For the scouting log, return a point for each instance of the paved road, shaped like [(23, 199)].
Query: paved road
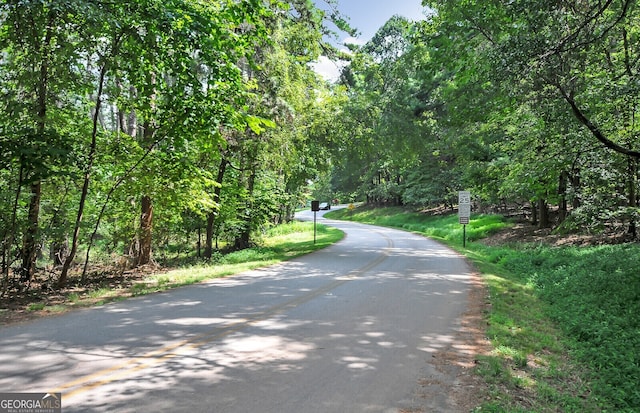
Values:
[(351, 328)]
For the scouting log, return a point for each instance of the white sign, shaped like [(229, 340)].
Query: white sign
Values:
[(464, 207), (464, 197)]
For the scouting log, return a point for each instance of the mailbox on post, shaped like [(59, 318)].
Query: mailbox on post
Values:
[(315, 207)]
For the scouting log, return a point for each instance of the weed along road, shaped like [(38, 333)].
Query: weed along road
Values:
[(352, 328)]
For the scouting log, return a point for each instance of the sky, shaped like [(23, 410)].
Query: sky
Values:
[(367, 16)]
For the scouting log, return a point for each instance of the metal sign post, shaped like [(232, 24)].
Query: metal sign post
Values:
[(464, 213)]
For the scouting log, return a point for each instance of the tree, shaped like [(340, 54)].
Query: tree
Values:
[(84, 74), (266, 164), (39, 42), (576, 55), (391, 149)]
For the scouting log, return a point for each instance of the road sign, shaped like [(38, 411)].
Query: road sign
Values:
[(315, 207), (464, 213), (464, 197)]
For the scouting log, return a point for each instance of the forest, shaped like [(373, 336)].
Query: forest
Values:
[(133, 130), (530, 105)]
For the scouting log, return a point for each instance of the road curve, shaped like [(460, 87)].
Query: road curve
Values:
[(351, 328)]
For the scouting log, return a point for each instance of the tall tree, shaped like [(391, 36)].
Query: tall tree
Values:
[(38, 40), (577, 55)]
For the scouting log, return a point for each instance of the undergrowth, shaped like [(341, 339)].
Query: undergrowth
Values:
[(594, 296), (278, 244)]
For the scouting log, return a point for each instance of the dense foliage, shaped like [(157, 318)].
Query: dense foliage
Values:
[(528, 104), (127, 126), (593, 294)]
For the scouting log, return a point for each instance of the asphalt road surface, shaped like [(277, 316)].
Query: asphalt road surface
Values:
[(351, 328)]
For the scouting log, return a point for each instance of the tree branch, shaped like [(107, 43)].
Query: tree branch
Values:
[(595, 131), (562, 45)]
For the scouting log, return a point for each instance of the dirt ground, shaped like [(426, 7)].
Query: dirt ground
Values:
[(22, 304), (468, 390), (524, 232)]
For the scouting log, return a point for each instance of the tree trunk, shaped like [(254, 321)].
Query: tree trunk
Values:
[(208, 243), (211, 217), (562, 191), (543, 209), (243, 240), (8, 240), (146, 216), (534, 214), (62, 281), (633, 194), (575, 184), (146, 223), (59, 252), (30, 244), (59, 248), (199, 241)]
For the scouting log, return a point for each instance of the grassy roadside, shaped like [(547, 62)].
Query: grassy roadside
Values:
[(563, 321), (279, 244)]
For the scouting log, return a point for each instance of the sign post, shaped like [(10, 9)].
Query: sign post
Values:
[(464, 213), (315, 207)]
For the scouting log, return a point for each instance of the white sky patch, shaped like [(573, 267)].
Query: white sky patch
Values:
[(354, 40), (328, 69)]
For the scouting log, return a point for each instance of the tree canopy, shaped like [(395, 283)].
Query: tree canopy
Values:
[(127, 126), (527, 104), (134, 129)]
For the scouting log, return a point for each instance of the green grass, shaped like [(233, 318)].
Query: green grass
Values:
[(564, 322), (279, 244), (36, 306), (57, 308), (444, 227)]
